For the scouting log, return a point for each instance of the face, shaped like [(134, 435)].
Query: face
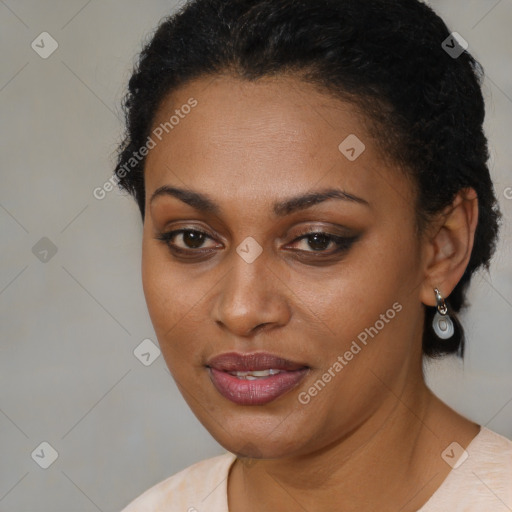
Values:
[(268, 246)]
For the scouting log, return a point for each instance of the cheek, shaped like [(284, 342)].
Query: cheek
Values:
[(164, 294), (157, 287), (380, 272), (174, 300), (370, 310)]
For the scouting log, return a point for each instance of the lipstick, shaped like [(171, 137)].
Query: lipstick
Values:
[(254, 378)]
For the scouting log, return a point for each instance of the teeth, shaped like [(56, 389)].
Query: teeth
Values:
[(255, 374)]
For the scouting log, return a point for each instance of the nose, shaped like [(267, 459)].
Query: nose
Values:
[(252, 297)]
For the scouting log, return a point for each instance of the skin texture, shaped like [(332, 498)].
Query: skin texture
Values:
[(372, 438)]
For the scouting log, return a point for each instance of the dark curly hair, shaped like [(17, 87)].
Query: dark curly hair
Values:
[(385, 56)]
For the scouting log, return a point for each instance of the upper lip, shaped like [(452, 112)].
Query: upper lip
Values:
[(234, 361)]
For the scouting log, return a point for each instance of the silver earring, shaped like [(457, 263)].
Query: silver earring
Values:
[(442, 324)]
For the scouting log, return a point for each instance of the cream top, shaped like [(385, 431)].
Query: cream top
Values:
[(480, 481)]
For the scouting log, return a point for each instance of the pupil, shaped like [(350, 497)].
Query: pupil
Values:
[(318, 241), (193, 239)]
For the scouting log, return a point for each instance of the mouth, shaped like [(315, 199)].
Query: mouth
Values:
[(256, 378)]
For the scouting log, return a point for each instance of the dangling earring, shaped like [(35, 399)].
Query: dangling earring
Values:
[(442, 324)]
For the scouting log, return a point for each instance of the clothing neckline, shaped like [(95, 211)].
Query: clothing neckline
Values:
[(470, 449)]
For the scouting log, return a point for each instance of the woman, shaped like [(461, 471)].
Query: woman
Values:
[(313, 184)]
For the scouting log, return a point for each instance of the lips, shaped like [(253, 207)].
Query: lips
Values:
[(254, 379), (235, 362)]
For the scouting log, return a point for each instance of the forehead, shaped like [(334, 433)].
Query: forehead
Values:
[(268, 138)]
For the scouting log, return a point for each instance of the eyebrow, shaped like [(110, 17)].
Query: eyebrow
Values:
[(204, 203)]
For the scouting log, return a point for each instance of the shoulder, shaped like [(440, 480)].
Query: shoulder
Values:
[(481, 478), (202, 486), (491, 459), (490, 442)]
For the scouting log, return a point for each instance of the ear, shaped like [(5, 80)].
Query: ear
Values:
[(448, 245)]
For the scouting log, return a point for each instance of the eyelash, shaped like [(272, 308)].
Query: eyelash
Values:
[(343, 243)]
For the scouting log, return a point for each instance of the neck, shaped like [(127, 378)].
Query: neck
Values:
[(386, 460)]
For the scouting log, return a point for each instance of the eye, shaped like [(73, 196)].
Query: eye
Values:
[(320, 241), (314, 243), (191, 241)]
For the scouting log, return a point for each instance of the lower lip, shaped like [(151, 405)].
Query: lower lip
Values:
[(255, 392)]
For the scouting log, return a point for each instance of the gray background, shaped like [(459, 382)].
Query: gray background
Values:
[(70, 324)]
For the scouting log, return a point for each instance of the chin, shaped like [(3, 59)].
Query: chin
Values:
[(258, 434)]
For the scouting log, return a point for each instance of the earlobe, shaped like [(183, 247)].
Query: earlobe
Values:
[(450, 247)]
